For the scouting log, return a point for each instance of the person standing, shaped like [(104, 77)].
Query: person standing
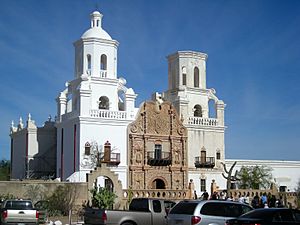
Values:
[(205, 195), (264, 200)]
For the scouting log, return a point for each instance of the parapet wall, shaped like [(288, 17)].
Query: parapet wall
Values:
[(37, 189)]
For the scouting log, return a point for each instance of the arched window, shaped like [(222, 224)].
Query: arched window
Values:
[(183, 75), (203, 185), (158, 184), (196, 77), (218, 155), (203, 155), (103, 62), (157, 151), (89, 62), (87, 148), (103, 102), (198, 111)]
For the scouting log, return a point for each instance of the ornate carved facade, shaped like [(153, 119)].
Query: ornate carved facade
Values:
[(157, 148)]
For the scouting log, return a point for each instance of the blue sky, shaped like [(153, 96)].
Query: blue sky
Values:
[(253, 52)]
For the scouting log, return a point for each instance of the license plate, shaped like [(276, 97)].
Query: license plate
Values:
[(178, 222)]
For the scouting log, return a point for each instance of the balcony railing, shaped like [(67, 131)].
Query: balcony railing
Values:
[(204, 162), (103, 73), (98, 113), (163, 159), (110, 159), (156, 193), (202, 121)]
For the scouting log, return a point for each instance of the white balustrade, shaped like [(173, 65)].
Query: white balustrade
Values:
[(97, 113), (103, 73), (202, 121)]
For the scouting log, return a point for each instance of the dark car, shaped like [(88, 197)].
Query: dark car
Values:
[(268, 216)]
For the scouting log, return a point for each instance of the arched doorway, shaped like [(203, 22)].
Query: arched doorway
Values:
[(103, 173), (158, 184), (104, 182)]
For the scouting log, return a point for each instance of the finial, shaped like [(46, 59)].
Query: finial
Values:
[(21, 125), (49, 118), (97, 7), (29, 117), (12, 123)]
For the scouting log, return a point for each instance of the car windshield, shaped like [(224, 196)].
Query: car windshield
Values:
[(187, 208)]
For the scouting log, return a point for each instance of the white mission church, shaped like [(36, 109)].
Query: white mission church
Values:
[(173, 138)]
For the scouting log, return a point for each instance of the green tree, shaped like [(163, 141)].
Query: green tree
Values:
[(4, 169), (255, 177), (103, 198), (62, 200)]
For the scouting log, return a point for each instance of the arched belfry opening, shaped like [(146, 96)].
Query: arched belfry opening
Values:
[(196, 77), (184, 76), (103, 62), (89, 62), (198, 111), (158, 184), (103, 102)]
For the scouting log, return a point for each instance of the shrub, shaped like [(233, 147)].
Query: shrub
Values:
[(103, 198), (62, 200)]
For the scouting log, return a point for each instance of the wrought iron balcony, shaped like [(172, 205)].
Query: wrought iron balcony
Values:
[(204, 162), (162, 159), (111, 159)]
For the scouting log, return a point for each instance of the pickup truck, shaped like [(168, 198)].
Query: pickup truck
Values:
[(142, 211), (18, 212)]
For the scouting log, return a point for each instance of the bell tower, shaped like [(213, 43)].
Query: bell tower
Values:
[(95, 108), (201, 111), (187, 79), (96, 51)]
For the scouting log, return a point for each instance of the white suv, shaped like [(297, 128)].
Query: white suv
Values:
[(206, 212)]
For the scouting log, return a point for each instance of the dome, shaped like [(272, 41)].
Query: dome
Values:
[(96, 32), (95, 13)]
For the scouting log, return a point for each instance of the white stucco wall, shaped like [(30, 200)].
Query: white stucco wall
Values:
[(285, 173), (18, 155)]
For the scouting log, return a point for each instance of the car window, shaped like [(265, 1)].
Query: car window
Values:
[(233, 210), (187, 208), (213, 209), (156, 206), (296, 214), (276, 217), (246, 209), (286, 215), (139, 205), (18, 205), (168, 205)]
